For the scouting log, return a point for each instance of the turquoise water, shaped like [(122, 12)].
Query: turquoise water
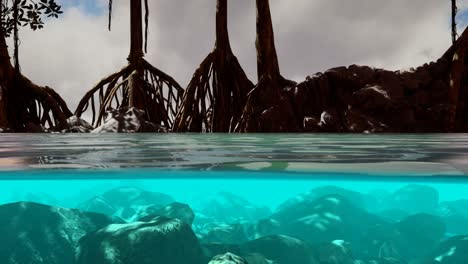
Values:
[(331, 199)]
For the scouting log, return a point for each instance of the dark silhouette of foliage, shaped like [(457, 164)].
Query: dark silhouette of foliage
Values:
[(30, 13), (214, 98), (139, 84)]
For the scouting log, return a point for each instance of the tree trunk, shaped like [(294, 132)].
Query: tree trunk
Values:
[(5, 74), (267, 59), (222, 93), (217, 92), (136, 32), (222, 35), (454, 21), (268, 108)]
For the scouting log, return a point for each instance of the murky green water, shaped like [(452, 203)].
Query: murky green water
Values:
[(280, 198)]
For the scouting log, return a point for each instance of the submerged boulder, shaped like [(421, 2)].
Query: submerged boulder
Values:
[(41, 234), (227, 258), (256, 258), (325, 219), (263, 227), (281, 249), (215, 249), (419, 235), (452, 251), (415, 199), (226, 207), (455, 215), (354, 197), (336, 252), (180, 211), (162, 240), (126, 202), (225, 234)]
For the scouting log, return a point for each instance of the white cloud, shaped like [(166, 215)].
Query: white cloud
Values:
[(74, 52)]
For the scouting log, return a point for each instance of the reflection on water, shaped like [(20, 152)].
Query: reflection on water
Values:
[(438, 154)]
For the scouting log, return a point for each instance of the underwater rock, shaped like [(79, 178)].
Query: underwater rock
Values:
[(415, 199), (325, 219), (390, 261), (354, 197), (127, 120), (126, 202), (264, 227), (41, 234), (78, 125), (36, 197), (256, 258), (214, 249), (336, 252), (376, 200), (227, 258), (452, 251), (378, 242), (392, 215), (181, 211), (455, 216), (225, 234), (162, 240), (281, 249), (228, 208), (419, 235)]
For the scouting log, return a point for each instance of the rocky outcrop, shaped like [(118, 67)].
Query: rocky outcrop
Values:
[(281, 249), (452, 251), (127, 203), (415, 199), (127, 120), (419, 234), (224, 234), (41, 234), (325, 219), (455, 215), (336, 252), (162, 240), (181, 211), (229, 208), (354, 197), (364, 99), (227, 258), (78, 125)]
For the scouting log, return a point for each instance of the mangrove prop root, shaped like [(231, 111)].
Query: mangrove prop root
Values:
[(215, 96), (137, 85), (33, 104)]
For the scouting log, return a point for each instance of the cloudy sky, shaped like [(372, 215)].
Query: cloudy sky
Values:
[(75, 51)]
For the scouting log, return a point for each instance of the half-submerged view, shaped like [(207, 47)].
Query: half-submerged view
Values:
[(247, 163)]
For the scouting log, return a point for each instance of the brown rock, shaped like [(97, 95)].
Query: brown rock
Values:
[(311, 124), (371, 97)]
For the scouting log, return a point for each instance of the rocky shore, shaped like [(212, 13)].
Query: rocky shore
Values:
[(363, 99)]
